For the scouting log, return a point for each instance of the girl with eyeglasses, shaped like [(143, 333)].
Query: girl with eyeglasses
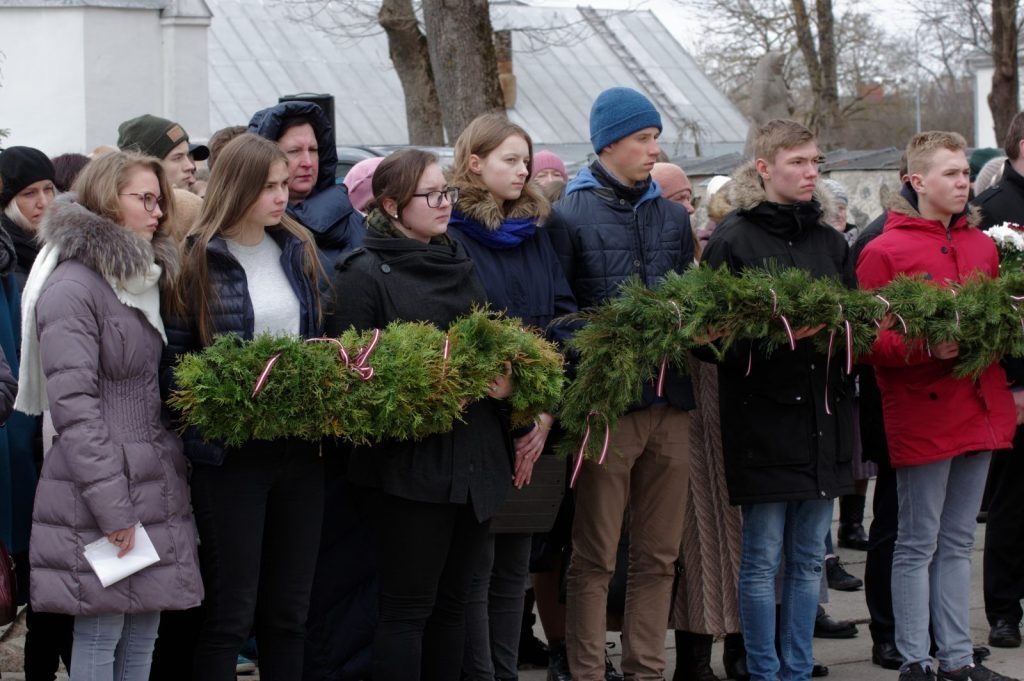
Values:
[(498, 221), (248, 269), (91, 345), (432, 499)]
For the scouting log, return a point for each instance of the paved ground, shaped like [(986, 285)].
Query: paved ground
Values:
[(848, 660)]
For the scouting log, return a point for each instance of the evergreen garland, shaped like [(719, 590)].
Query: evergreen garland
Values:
[(627, 340), (421, 380)]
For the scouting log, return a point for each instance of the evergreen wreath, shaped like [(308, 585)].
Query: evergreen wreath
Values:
[(404, 382), (629, 341)]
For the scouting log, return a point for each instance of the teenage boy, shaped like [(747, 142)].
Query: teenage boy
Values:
[(614, 224), (786, 417), (941, 430), (167, 141)]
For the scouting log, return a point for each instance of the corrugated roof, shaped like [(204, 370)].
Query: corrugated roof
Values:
[(256, 53)]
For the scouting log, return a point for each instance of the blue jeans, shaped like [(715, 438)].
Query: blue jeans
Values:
[(792, 530), (113, 647), (931, 567)]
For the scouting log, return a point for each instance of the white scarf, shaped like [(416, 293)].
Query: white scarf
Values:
[(141, 293)]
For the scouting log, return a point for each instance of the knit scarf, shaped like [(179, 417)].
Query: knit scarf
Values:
[(379, 224), (511, 232), (141, 292)]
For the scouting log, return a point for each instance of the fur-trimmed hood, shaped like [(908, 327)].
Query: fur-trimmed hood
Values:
[(898, 203), (105, 246), (477, 204), (746, 190)]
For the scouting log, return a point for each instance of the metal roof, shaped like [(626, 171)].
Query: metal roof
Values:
[(257, 51)]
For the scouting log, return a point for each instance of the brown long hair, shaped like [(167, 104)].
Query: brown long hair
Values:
[(235, 184), (397, 176), (483, 135)]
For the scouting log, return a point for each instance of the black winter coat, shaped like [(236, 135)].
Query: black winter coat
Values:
[(874, 445), (602, 241), (525, 280), (327, 211), (233, 313), (391, 279), (780, 443), (1004, 201)]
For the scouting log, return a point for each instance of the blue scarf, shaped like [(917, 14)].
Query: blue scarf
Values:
[(511, 233)]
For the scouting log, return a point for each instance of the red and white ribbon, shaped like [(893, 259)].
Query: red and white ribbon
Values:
[(660, 387), (578, 465), (782, 318)]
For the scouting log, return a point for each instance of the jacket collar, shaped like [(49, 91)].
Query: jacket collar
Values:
[(478, 204), (904, 213), (585, 180), (787, 221), (103, 245)]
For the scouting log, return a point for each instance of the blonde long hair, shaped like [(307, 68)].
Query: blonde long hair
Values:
[(235, 184)]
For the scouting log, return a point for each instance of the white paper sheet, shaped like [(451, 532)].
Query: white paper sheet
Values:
[(102, 557)]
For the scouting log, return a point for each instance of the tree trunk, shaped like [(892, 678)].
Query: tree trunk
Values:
[(407, 47), (459, 35), (1003, 99), (832, 126)]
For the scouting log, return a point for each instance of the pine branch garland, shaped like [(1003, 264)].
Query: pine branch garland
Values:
[(627, 339), (422, 379)]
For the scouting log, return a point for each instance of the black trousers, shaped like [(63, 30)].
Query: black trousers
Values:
[(878, 566), (428, 553), (259, 516), (1004, 534), (47, 643)]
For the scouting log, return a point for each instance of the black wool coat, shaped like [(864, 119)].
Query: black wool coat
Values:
[(779, 440), (401, 279)]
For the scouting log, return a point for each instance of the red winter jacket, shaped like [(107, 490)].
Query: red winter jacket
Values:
[(929, 414)]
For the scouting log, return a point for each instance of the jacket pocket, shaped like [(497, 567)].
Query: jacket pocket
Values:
[(777, 433)]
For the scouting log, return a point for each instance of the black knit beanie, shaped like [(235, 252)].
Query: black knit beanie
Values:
[(20, 167)]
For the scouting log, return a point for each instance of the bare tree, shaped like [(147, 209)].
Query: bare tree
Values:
[(836, 63), (1003, 98), (408, 49), (460, 39), (445, 60)]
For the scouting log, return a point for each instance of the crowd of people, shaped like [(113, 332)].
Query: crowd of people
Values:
[(398, 561)]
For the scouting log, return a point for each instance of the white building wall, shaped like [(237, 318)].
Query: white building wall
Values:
[(186, 77), (984, 132), (70, 75), (42, 79), (123, 70)]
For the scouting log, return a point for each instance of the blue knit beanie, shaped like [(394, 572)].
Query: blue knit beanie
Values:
[(618, 112)]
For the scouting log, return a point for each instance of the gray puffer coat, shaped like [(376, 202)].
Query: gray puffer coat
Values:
[(113, 463)]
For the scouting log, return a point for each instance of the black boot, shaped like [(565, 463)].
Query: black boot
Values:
[(734, 658), (851, 522), (693, 657)]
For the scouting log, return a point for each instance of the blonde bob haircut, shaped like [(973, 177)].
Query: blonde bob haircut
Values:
[(236, 182), (100, 183)]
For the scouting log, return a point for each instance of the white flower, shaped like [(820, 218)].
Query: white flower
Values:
[(1007, 235)]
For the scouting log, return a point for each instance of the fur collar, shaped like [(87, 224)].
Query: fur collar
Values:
[(103, 245), (899, 204), (746, 191), (477, 204)]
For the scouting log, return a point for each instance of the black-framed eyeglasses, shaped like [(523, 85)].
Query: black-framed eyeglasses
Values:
[(434, 198), (149, 200)]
